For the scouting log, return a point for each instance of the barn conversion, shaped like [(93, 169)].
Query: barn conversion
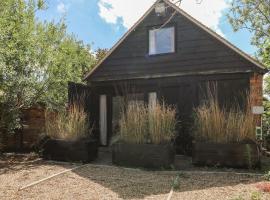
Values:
[(168, 55)]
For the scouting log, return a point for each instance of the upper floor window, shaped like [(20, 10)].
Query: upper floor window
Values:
[(162, 41)]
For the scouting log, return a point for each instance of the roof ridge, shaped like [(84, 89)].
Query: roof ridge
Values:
[(192, 19)]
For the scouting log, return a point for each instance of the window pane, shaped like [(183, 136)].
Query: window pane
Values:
[(161, 41)]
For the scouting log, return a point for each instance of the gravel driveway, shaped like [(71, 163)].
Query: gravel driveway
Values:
[(109, 182)]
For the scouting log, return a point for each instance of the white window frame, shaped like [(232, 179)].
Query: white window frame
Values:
[(153, 41)]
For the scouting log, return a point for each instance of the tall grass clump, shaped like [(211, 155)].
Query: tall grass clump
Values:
[(133, 123), (142, 124), (217, 124), (68, 124), (162, 123)]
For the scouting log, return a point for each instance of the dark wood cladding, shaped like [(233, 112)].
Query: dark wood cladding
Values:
[(186, 93), (196, 50)]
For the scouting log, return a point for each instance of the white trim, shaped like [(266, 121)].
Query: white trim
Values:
[(152, 100), (205, 28), (103, 119), (153, 40)]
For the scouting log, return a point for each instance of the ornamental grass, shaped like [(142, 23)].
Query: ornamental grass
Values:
[(142, 124), (71, 124), (217, 124)]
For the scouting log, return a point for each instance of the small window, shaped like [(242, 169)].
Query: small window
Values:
[(162, 41)]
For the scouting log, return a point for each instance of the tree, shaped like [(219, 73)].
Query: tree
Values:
[(253, 15), (37, 59), (99, 55)]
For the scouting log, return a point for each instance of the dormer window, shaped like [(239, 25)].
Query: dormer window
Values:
[(162, 41)]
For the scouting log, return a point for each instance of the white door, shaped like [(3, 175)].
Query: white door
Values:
[(103, 119)]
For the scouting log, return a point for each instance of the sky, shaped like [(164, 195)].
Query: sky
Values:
[(101, 23)]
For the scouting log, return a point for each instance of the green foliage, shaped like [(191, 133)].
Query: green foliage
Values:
[(176, 182), (100, 54), (256, 196), (267, 176), (266, 118), (37, 59), (254, 16)]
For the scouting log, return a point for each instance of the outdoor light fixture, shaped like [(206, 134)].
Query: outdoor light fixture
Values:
[(160, 9)]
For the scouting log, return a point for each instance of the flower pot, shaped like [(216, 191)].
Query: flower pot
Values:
[(143, 155), (236, 155), (71, 151)]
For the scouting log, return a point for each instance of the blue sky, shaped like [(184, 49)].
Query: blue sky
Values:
[(102, 22)]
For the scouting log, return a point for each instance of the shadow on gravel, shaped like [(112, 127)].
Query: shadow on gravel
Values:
[(130, 183), (133, 183)]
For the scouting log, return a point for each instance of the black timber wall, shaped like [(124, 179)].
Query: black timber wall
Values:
[(196, 51), (186, 93)]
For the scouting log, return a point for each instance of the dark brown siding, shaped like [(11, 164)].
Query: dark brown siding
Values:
[(196, 51), (186, 93)]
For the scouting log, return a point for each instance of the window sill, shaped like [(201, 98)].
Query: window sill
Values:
[(160, 54)]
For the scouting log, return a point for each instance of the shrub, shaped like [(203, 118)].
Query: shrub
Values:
[(69, 124), (142, 124), (217, 124)]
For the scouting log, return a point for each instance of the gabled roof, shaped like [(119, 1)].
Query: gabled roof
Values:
[(257, 64)]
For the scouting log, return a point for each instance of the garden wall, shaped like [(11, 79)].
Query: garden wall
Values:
[(33, 126)]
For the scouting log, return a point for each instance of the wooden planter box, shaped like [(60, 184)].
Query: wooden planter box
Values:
[(235, 155), (143, 155), (70, 151)]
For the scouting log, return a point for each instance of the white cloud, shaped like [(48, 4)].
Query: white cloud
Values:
[(209, 12), (62, 8)]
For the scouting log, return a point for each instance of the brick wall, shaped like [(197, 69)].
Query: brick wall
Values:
[(256, 93), (33, 126)]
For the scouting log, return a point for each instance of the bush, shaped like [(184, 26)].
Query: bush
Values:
[(69, 125), (142, 124), (217, 124)]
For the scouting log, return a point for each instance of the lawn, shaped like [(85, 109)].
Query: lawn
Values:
[(109, 182)]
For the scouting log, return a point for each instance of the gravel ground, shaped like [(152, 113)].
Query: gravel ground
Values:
[(108, 182)]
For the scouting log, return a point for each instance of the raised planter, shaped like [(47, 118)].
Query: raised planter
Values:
[(237, 155), (62, 150), (143, 155)]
